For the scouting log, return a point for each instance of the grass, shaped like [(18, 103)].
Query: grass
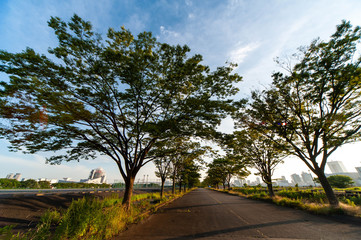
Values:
[(314, 202), (91, 218)]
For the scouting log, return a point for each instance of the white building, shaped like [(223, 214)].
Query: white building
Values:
[(282, 182), (16, 176), (336, 167), (296, 179), (96, 176), (307, 179)]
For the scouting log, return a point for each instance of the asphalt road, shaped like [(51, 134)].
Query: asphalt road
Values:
[(206, 214)]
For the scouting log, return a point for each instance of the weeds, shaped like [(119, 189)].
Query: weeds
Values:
[(90, 218), (310, 200)]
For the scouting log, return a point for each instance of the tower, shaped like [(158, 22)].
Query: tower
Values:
[(336, 167)]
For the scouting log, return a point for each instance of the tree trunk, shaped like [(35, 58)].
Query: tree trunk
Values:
[(129, 183), (328, 189), (162, 188), (173, 185), (180, 186), (270, 190), (185, 187)]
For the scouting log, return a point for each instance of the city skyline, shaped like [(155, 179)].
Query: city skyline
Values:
[(250, 34)]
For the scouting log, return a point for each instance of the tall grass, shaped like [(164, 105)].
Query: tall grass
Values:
[(312, 201), (90, 218)]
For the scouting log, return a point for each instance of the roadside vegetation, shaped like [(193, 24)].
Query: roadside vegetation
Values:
[(33, 184), (313, 200), (92, 218)]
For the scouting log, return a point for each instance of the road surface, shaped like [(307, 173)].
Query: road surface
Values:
[(206, 214)]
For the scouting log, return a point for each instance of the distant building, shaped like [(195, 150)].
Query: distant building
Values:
[(358, 169), (336, 167), (297, 179), (282, 182), (96, 176), (66, 180), (307, 179), (16, 176), (10, 176)]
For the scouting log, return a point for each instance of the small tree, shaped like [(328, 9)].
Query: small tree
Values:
[(224, 168), (316, 107), (340, 181), (189, 175), (163, 166), (30, 184), (259, 152), (115, 97)]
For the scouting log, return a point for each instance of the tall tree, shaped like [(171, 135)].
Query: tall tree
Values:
[(116, 97), (316, 107)]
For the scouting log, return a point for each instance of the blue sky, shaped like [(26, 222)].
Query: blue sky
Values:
[(250, 33)]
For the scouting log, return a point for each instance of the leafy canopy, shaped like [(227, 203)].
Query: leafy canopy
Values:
[(115, 96)]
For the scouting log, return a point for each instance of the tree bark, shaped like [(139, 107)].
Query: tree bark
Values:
[(270, 190), (173, 184), (129, 184), (162, 188), (327, 188)]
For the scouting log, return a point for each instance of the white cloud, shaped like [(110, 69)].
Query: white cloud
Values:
[(168, 33), (240, 52)]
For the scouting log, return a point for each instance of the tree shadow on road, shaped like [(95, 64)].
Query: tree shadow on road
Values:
[(236, 229)]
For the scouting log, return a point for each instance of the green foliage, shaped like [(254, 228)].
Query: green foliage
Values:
[(44, 184), (340, 181), (313, 108), (80, 185), (308, 195), (221, 170), (89, 218), (28, 184), (189, 174), (116, 96), (9, 183), (118, 185)]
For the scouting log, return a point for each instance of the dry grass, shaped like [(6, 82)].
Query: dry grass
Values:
[(303, 204)]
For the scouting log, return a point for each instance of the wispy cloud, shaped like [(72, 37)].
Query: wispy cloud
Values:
[(168, 33), (240, 52)]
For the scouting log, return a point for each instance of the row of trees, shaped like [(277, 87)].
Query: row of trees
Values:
[(309, 111), (118, 97), (27, 184), (33, 184), (132, 98), (179, 160)]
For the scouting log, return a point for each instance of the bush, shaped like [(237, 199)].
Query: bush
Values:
[(340, 181), (9, 183)]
